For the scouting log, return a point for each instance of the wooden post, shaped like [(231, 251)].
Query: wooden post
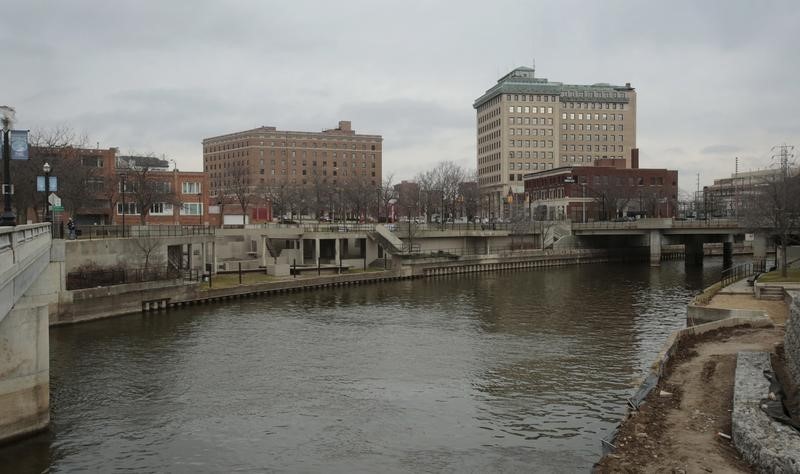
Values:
[(240, 273)]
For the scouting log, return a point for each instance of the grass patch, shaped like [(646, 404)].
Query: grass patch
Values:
[(792, 276), (230, 280)]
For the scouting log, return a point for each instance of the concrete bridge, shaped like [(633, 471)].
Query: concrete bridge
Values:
[(28, 285), (654, 233)]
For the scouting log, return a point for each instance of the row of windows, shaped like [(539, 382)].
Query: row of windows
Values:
[(293, 154), (598, 94), (529, 131), (489, 126), (531, 154), (293, 182), (530, 110), (527, 166), (162, 209), (529, 121), (531, 143), (579, 116), (488, 115), (588, 138), (593, 106), (531, 98), (314, 144), (611, 148), (588, 127), (490, 103)]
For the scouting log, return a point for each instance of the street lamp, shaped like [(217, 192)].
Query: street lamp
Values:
[(46, 169), (8, 218)]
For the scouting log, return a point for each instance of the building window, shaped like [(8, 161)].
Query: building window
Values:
[(191, 208), (130, 208), (191, 188), (161, 209)]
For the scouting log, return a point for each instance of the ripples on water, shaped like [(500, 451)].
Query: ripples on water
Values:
[(511, 371)]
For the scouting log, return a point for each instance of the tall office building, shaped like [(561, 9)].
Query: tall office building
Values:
[(527, 124), (270, 157)]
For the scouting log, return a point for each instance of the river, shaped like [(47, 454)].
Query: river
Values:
[(516, 371)]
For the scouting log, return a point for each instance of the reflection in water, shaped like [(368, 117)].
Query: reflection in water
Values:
[(507, 371)]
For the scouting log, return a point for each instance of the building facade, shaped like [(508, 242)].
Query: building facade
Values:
[(527, 124), (605, 192), (728, 196), (265, 158), (175, 197)]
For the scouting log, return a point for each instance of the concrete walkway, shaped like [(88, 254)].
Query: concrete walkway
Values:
[(741, 287)]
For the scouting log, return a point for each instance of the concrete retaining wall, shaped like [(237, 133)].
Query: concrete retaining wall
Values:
[(769, 445), (696, 314), (791, 342)]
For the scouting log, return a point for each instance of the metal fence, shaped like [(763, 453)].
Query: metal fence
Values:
[(117, 276), (93, 232), (744, 270)]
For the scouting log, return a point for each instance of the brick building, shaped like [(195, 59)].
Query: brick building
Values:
[(179, 197), (265, 159), (601, 192), (527, 124)]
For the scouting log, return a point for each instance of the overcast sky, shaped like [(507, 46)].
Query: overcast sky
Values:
[(715, 80)]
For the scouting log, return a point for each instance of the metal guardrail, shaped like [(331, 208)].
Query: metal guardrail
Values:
[(653, 223), (744, 270), (94, 232)]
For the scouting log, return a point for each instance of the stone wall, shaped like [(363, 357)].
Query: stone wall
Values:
[(792, 338)]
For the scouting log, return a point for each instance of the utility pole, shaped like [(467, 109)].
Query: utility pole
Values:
[(784, 154)]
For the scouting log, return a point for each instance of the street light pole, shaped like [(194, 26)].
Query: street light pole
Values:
[(46, 169), (8, 218)]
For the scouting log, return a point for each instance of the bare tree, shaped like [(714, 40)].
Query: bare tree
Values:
[(147, 186), (775, 209), (387, 194), (237, 187), (146, 245), (61, 148)]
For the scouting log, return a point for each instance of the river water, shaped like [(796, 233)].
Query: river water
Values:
[(518, 371)]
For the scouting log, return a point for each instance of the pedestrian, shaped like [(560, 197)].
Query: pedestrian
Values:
[(71, 227)]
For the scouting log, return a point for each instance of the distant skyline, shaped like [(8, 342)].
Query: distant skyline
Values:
[(715, 80)]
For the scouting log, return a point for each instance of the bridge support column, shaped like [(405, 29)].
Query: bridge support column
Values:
[(694, 252), (655, 248), (316, 251), (727, 252), (336, 257), (264, 251), (214, 258), (759, 248)]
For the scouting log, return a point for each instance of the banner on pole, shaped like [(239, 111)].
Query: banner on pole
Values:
[(40, 183), (19, 144)]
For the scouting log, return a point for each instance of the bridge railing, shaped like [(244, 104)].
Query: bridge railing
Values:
[(657, 223), (94, 232)]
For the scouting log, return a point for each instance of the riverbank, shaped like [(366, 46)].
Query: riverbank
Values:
[(677, 428), (102, 302)]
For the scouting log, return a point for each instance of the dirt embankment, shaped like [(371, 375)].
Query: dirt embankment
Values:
[(678, 431)]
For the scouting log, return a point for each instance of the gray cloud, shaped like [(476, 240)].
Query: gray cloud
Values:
[(161, 76), (720, 149)]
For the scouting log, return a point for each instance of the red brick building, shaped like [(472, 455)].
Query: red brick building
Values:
[(601, 192), (181, 197)]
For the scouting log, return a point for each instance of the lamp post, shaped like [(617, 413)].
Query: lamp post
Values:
[(123, 178), (8, 218), (46, 169), (583, 204)]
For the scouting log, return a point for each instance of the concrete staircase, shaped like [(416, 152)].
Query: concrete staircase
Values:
[(771, 293), (390, 242)]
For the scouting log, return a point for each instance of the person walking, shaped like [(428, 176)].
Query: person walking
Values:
[(71, 227)]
